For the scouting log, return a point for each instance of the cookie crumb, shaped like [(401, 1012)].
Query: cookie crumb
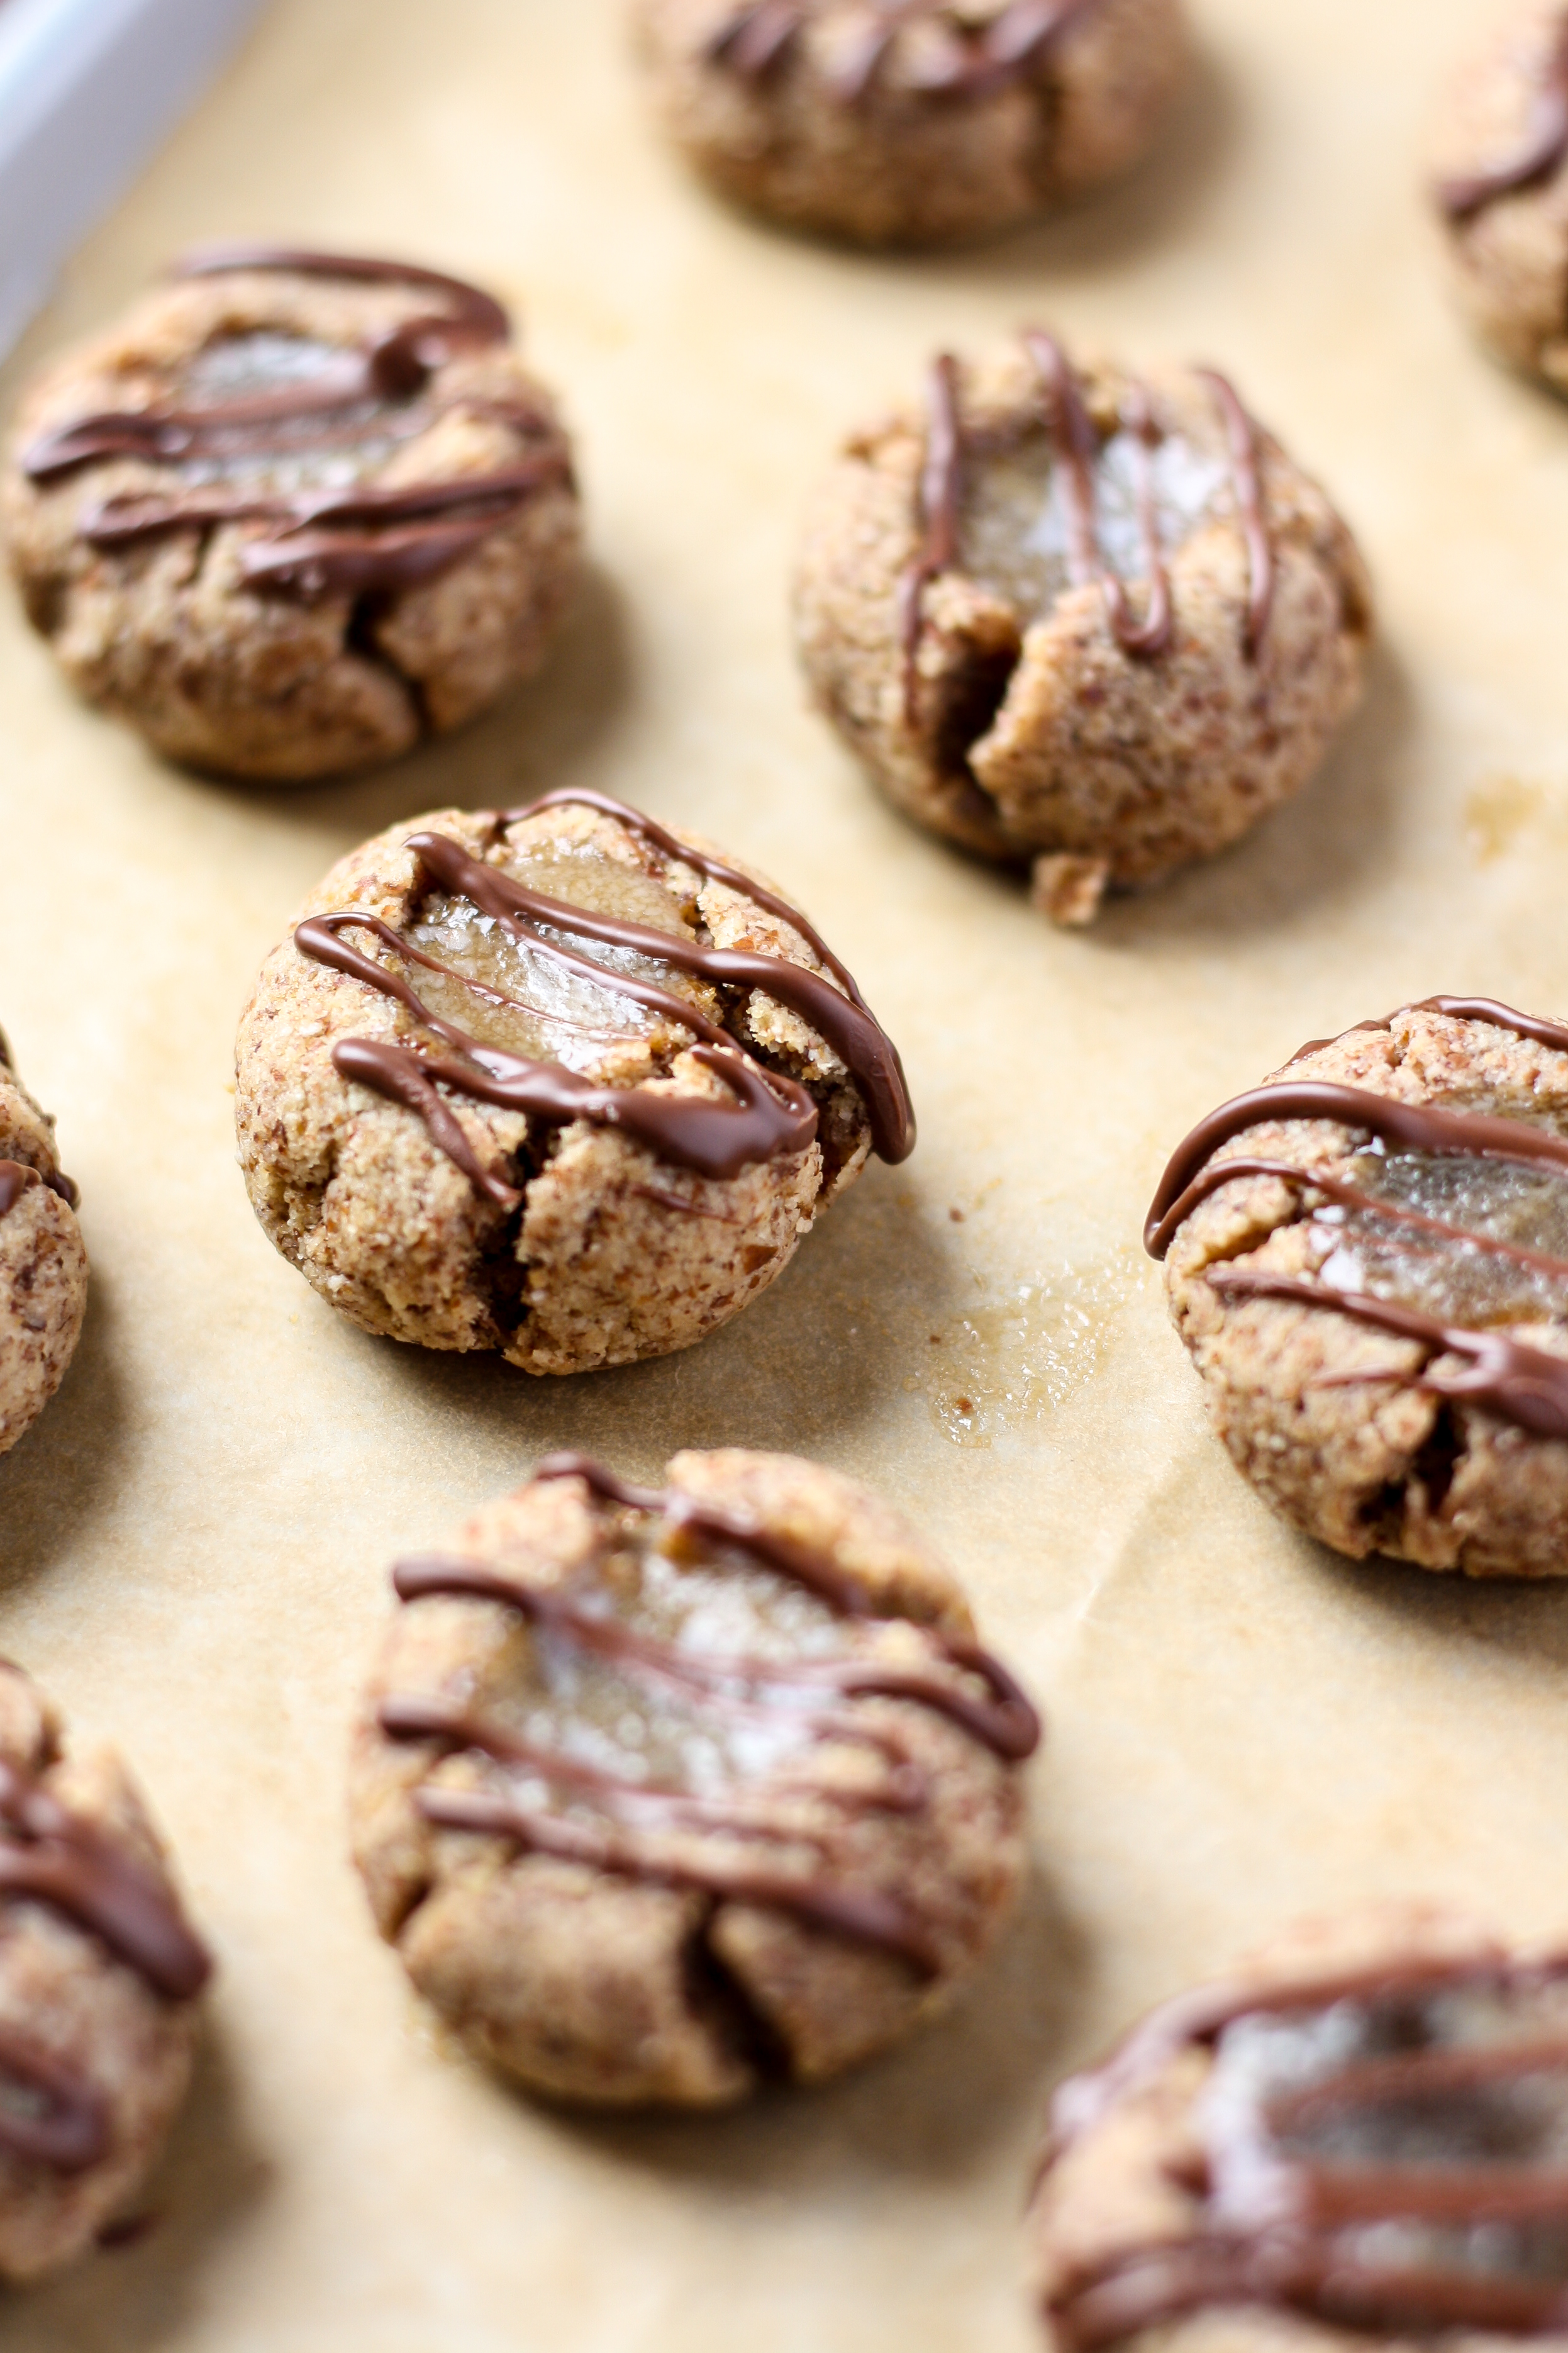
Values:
[(1068, 889)]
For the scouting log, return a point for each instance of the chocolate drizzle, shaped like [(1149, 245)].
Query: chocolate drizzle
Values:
[(1523, 1385), (15, 1177), (51, 1856), (1396, 2180), (1075, 446), (763, 1115), (967, 62), (1544, 149), (319, 541), (625, 1819)]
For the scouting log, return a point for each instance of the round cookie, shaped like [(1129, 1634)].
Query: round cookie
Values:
[(910, 122), (297, 510), (1078, 620), (1367, 1258), (555, 1081), (661, 1795), (43, 1265), (99, 1978), (1355, 2141), (1500, 187)]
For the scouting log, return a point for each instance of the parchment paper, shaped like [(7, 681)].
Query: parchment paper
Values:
[(195, 1538)]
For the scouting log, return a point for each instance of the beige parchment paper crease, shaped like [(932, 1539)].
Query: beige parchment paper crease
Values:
[(195, 1538)]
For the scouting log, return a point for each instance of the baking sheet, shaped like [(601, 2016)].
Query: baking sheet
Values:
[(196, 1538)]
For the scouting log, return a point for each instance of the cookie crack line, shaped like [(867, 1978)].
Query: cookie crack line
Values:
[(1281, 2225), (1545, 146), (386, 540), (1524, 1385), (50, 1856), (963, 62), (1075, 445), (764, 1115), (959, 1682)]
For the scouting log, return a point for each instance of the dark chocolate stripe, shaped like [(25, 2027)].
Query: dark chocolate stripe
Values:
[(1291, 2257), (14, 1181), (816, 1693), (1523, 1385), (1075, 446), (972, 63), (383, 541), (1351, 1196), (1417, 1127), (51, 1856), (764, 1115), (15, 1178), (1545, 146)]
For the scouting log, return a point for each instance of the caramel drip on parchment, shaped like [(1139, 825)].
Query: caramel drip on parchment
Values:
[(354, 541), (1523, 1385), (51, 1856), (1544, 147), (968, 62), (762, 1116), (1075, 446), (816, 1692), (1296, 2239)]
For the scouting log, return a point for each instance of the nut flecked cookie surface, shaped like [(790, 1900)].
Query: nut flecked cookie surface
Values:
[(43, 1263), (99, 1978), (557, 1082), (1500, 187), (1367, 1258), (1078, 620), (910, 122), (1355, 2141), (295, 512), (662, 1794)]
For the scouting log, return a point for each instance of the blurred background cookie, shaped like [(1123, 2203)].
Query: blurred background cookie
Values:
[(662, 1794), (1367, 1258), (295, 512), (1501, 146), (1090, 622), (910, 122), (1355, 2139), (99, 1978), (43, 1262), (555, 1082)]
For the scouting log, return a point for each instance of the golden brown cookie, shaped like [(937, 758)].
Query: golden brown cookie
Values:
[(910, 122), (1355, 2141), (1092, 623), (1367, 1258), (557, 1082), (662, 1794), (295, 512), (99, 1974), (1500, 185), (43, 1265)]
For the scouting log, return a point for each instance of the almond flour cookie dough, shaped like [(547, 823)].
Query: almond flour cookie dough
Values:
[(659, 1794), (296, 511), (1356, 2140), (43, 1265), (555, 1081), (910, 122), (1502, 189), (98, 1978), (1078, 620), (1367, 1258)]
